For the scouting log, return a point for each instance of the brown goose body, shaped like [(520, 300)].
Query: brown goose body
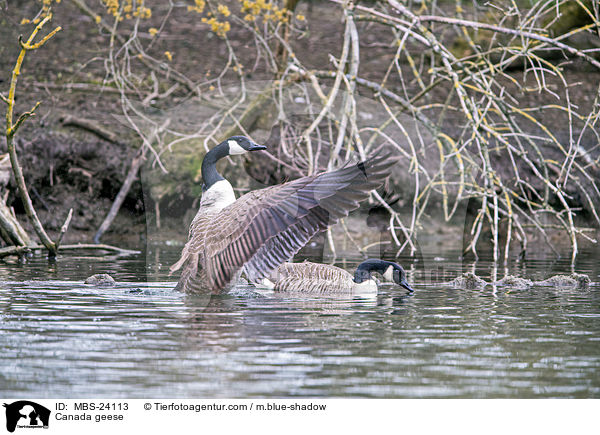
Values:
[(266, 227), (315, 278)]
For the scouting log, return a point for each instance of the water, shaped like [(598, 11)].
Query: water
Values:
[(61, 338)]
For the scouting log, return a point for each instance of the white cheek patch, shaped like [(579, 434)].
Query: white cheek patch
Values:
[(389, 274), (235, 148)]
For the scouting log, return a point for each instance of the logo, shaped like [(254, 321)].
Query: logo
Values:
[(26, 414)]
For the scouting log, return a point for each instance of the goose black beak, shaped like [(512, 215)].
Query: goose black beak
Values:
[(256, 147), (405, 284)]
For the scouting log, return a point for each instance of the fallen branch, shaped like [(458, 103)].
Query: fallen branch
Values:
[(13, 232), (92, 127), (80, 87), (17, 250), (134, 168), (20, 250), (99, 246)]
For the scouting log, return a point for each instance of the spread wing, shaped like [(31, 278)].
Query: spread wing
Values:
[(265, 228), (193, 278)]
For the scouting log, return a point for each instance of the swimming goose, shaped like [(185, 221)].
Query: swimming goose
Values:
[(265, 227), (310, 277)]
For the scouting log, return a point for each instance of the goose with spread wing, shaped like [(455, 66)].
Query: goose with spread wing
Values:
[(265, 228)]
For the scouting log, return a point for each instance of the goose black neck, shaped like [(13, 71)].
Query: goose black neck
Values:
[(364, 269), (209, 165)]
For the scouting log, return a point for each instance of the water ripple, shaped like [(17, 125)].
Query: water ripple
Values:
[(140, 339)]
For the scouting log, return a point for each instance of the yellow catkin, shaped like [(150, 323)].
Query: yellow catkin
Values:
[(268, 11), (224, 10), (198, 6), (218, 27)]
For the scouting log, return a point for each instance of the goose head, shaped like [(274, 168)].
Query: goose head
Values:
[(242, 145), (395, 273), (390, 271), (233, 146)]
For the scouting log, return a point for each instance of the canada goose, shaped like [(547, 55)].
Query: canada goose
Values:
[(265, 227), (310, 277)]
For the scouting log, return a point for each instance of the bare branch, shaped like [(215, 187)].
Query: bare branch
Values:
[(63, 229), (22, 119)]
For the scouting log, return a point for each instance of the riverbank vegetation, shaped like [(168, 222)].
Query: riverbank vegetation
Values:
[(493, 110)]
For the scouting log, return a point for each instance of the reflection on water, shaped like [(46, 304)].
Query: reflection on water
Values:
[(61, 338)]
